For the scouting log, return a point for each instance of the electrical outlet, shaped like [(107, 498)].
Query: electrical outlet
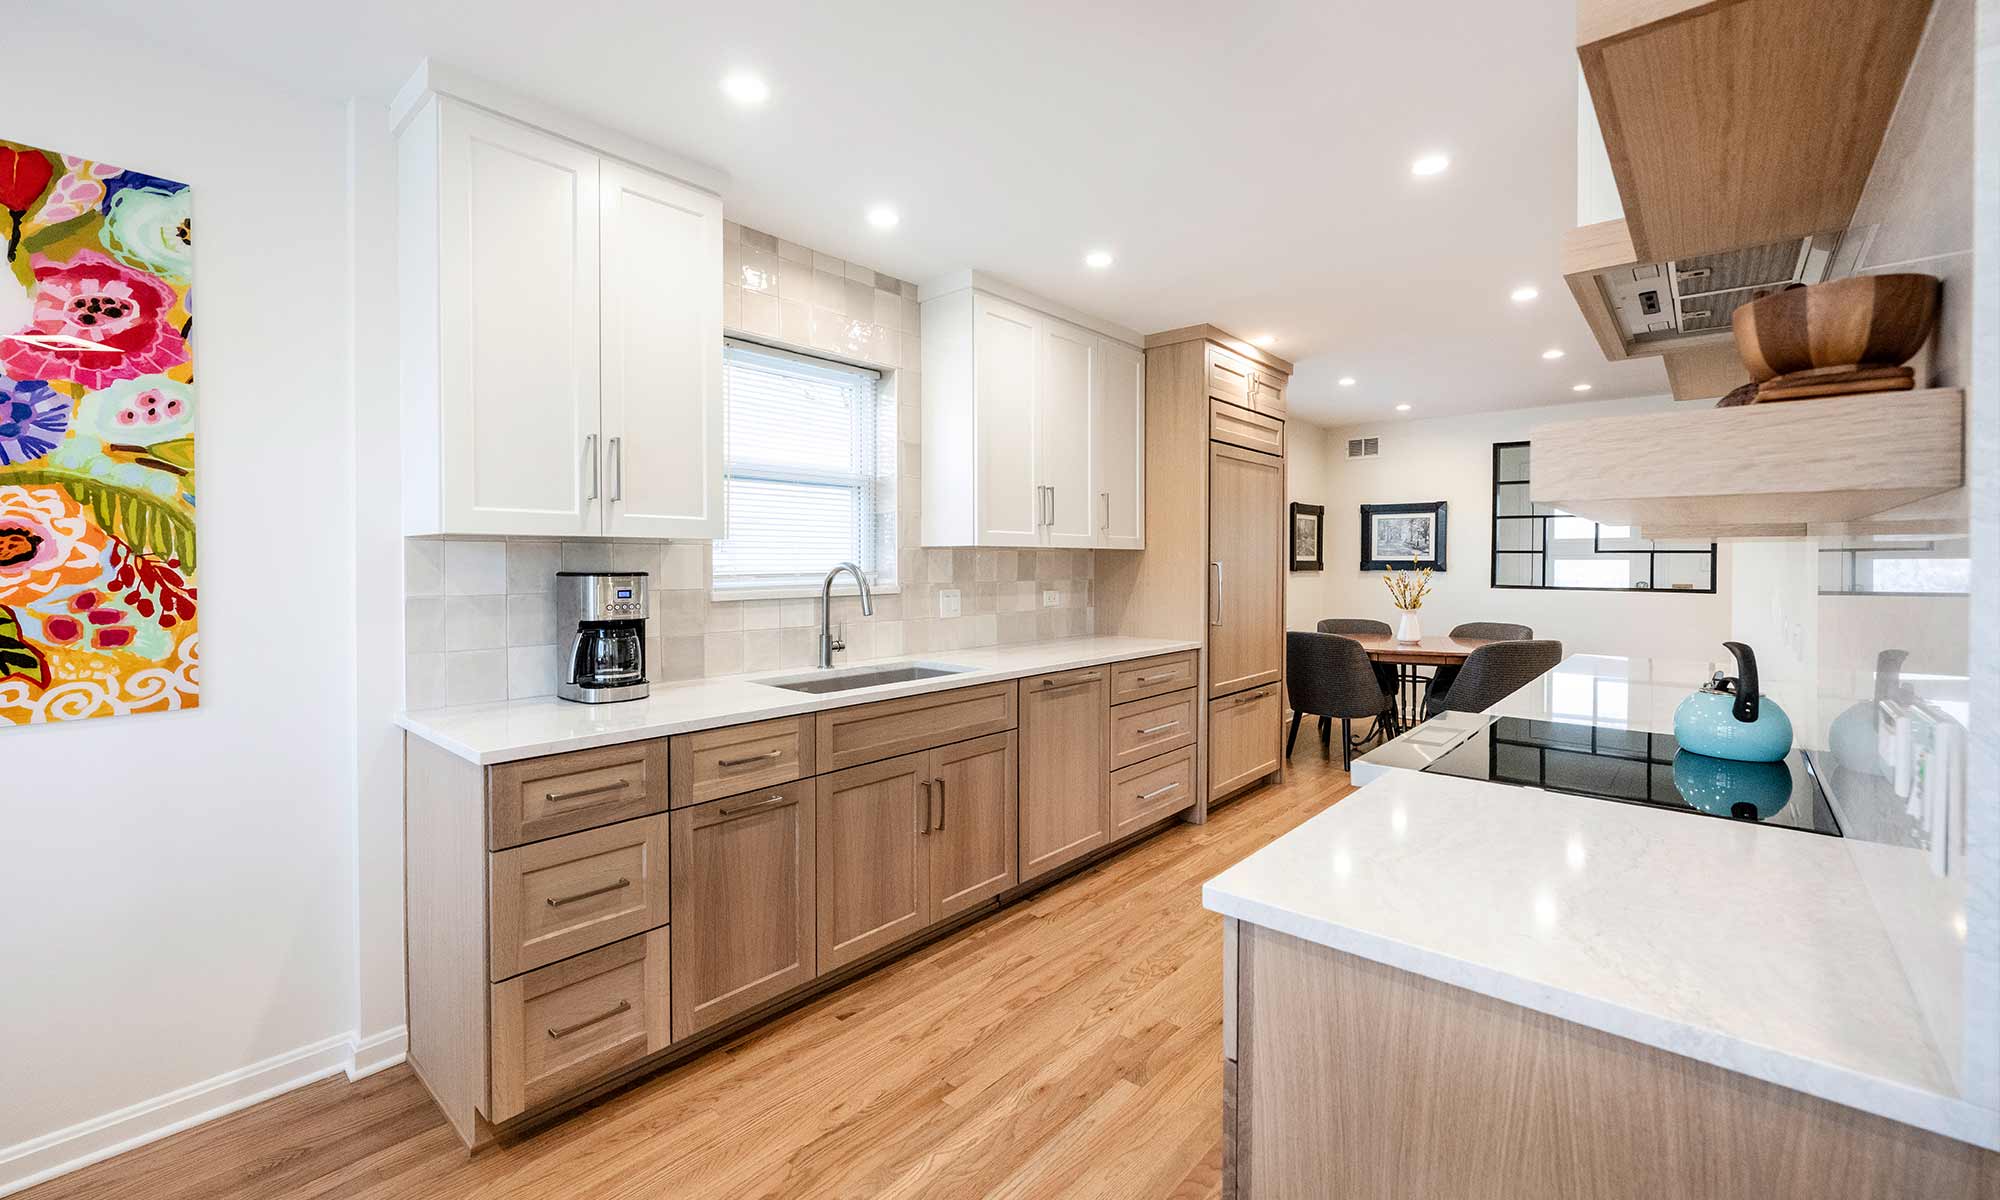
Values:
[(948, 602), (1051, 598)]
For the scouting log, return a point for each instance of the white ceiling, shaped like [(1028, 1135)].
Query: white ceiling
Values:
[(1251, 171)]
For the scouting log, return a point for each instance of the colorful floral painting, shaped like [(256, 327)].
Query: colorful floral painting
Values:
[(97, 478)]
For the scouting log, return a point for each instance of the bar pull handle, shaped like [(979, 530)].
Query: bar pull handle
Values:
[(1151, 729), (624, 1006), (1215, 595), (941, 802), (617, 447), (1107, 511), (580, 793), (771, 801), (559, 901), (1053, 684), (1157, 792), (590, 452), (748, 759), (1248, 697), (924, 826)]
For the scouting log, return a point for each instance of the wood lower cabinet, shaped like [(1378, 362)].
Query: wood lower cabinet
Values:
[(974, 850), (1065, 758), (1147, 791), (1246, 529), (571, 1023), (874, 857), (552, 899), (1244, 739), (744, 875)]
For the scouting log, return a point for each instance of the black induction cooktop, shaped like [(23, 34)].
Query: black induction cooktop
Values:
[(1636, 767)]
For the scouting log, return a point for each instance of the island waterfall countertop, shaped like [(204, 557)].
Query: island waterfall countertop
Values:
[(495, 733), (1761, 950)]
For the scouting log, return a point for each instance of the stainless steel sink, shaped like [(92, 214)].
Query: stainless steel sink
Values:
[(849, 678)]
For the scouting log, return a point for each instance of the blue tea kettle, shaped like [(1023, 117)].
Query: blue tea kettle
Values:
[(1727, 718)]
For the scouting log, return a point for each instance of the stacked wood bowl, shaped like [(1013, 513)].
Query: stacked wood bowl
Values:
[(1836, 339)]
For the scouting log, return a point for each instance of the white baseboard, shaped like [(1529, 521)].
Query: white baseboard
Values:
[(64, 1150)]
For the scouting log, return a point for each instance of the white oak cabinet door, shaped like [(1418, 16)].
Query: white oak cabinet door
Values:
[(1070, 364), (662, 407), (1118, 447), (517, 329), (1004, 339)]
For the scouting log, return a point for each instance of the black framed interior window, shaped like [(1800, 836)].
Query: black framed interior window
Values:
[(1541, 546)]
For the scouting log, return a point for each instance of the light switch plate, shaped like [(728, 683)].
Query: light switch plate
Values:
[(1051, 598), (948, 602)]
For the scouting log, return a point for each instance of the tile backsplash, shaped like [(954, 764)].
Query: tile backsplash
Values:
[(479, 619)]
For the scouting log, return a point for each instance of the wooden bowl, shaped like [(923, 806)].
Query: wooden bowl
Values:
[(1860, 321)]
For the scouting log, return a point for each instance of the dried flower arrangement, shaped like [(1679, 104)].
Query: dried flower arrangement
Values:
[(1407, 589)]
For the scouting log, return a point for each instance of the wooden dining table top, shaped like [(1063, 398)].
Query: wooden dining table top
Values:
[(1431, 651)]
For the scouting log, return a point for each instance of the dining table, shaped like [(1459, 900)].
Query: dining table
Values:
[(1406, 657)]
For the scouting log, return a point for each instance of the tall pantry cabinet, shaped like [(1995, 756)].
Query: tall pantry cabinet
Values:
[(1213, 568)]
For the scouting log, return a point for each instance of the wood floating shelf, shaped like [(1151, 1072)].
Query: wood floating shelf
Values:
[(1758, 470)]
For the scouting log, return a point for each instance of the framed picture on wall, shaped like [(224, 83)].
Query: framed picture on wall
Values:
[(1308, 537), (1395, 536)]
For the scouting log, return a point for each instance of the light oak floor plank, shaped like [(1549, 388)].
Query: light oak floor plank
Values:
[(1069, 1045)]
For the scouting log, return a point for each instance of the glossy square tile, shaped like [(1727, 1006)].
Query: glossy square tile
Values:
[(475, 568)]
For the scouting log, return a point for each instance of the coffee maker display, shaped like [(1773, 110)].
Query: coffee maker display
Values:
[(603, 615)]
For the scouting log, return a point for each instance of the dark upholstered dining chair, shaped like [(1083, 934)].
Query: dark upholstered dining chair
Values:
[(1362, 627), (1491, 674), (1330, 677), (1485, 631)]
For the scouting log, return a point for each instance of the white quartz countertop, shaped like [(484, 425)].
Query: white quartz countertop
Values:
[(1760, 950), (497, 733)]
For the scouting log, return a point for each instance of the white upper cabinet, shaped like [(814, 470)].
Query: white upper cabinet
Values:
[(1033, 428), (662, 402), (1118, 447), (562, 359)]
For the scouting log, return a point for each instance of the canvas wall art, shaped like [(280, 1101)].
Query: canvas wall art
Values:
[(97, 425)]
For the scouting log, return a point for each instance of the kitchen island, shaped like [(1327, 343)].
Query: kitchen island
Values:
[(1451, 987)]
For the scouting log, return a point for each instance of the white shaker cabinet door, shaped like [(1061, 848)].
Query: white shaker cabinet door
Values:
[(1070, 367), (1011, 505), (1118, 447), (662, 328), (517, 327)]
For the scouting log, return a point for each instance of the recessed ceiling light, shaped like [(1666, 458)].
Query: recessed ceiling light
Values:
[(1097, 260), (1402, 408), (1347, 381), (1579, 387), (1265, 340), (1524, 293), (1430, 164), (1552, 353), (745, 88), (883, 217)]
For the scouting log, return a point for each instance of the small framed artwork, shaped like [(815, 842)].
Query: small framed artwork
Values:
[(1393, 536), (1308, 537)]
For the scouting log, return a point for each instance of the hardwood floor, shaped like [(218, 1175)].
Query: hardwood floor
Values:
[(1069, 1045)]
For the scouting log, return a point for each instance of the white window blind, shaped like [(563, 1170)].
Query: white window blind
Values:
[(809, 471)]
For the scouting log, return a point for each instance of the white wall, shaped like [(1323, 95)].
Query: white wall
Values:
[(1306, 466), (1451, 459), (179, 889)]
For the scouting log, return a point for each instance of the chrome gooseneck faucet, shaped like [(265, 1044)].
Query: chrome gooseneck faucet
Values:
[(827, 643)]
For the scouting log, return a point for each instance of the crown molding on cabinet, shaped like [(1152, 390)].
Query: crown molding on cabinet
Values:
[(432, 77), (1221, 337), (993, 285)]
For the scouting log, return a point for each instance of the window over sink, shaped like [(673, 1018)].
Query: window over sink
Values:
[(809, 472)]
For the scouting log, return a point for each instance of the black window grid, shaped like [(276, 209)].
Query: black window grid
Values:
[(1539, 538)]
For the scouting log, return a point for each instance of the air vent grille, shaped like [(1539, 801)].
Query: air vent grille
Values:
[(1363, 447)]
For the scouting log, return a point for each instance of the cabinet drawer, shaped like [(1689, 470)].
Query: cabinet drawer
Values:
[(1228, 377), (1151, 790), (1241, 427), (866, 733), (1145, 728), (723, 762), (563, 1028), (541, 797), (553, 899), (1244, 742), (1152, 676)]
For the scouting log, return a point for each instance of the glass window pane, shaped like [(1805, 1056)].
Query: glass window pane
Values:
[(782, 528), (1594, 572), (1689, 572), (1517, 570), (1517, 533), (1575, 530), (1511, 462), (1511, 500)]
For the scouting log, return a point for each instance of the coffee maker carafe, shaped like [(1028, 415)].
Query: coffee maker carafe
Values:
[(602, 614)]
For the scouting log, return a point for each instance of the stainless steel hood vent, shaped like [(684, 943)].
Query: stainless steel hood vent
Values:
[(1689, 298)]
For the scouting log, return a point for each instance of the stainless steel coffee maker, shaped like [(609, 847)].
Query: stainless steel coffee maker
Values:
[(603, 614)]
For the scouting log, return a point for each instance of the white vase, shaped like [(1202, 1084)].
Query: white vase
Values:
[(1410, 629)]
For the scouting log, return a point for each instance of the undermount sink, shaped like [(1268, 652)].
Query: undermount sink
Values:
[(848, 678)]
